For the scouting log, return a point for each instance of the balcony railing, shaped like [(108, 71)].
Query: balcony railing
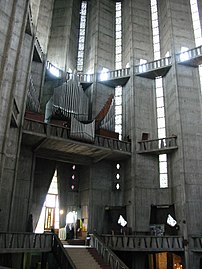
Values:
[(143, 243), (158, 146), (64, 132), (55, 71), (25, 242), (155, 68), (85, 78), (191, 57), (107, 255), (195, 243)]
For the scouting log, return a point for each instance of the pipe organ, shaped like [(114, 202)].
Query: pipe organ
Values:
[(69, 100), (70, 104)]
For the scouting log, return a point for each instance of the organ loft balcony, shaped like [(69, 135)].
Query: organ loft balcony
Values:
[(55, 141)]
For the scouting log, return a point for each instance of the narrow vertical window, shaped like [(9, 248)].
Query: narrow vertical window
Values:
[(82, 33), (118, 65), (163, 172)]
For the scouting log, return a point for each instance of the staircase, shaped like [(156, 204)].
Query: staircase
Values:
[(86, 258)]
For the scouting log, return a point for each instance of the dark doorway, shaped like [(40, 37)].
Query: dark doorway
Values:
[(112, 215), (159, 215)]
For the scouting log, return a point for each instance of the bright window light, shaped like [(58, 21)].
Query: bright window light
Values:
[(117, 186), (184, 55), (142, 66), (70, 218), (54, 71), (161, 127), (104, 74), (88, 77)]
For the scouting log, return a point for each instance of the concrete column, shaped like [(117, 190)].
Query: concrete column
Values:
[(22, 193), (175, 23), (137, 34), (183, 109), (139, 114), (44, 23), (35, 7), (14, 79), (62, 49), (200, 10), (100, 36)]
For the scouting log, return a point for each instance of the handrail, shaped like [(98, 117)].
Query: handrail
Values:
[(144, 242), (158, 144), (64, 132), (106, 253), (157, 64), (189, 54), (61, 254), (24, 242)]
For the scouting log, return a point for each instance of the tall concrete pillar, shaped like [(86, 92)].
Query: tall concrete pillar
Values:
[(183, 117), (139, 114), (100, 36), (17, 50), (62, 49), (44, 21), (99, 49), (175, 26)]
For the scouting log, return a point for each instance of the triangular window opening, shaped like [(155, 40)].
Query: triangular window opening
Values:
[(49, 217)]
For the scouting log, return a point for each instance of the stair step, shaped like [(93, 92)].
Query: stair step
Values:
[(82, 258)]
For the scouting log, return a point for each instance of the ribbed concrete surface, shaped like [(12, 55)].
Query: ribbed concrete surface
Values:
[(82, 258)]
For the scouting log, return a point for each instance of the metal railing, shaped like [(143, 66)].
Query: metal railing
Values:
[(25, 242), (61, 254), (160, 144), (107, 255), (143, 243), (64, 132), (157, 64)]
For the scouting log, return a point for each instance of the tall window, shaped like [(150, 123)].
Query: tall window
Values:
[(49, 217), (82, 33), (163, 173), (197, 29), (118, 65)]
